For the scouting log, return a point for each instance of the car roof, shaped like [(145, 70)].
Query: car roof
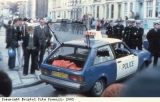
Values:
[(93, 43)]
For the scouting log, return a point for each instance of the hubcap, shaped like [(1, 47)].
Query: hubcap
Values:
[(98, 88)]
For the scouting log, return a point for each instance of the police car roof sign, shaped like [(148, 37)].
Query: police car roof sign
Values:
[(97, 34)]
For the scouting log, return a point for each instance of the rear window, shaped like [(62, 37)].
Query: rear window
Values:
[(76, 56)]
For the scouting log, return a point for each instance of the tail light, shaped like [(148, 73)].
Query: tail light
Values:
[(76, 78), (45, 71)]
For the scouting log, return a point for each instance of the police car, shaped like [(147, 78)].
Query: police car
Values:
[(91, 64)]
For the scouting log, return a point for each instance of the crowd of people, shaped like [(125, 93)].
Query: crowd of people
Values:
[(27, 41), (131, 33), (32, 41)]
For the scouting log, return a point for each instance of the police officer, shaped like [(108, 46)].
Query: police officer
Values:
[(153, 37), (137, 36), (119, 28), (128, 31), (110, 30)]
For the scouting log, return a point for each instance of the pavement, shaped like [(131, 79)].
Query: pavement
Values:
[(18, 80)]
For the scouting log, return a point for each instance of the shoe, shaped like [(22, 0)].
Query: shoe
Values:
[(14, 69), (24, 74), (32, 73), (37, 69)]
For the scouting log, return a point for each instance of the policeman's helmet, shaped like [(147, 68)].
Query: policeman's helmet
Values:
[(119, 20), (131, 21), (138, 21), (156, 22)]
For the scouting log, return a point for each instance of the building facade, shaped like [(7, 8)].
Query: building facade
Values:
[(107, 9), (41, 8), (31, 9), (22, 8)]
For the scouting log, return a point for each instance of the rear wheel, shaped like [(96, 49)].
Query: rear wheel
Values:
[(98, 88)]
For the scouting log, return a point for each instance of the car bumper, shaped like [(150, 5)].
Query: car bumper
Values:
[(64, 84)]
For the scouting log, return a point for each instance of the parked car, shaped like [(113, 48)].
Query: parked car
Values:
[(90, 65)]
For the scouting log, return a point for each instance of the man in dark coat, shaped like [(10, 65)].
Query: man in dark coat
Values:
[(128, 31), (137, 36), (110, 30), (25, 27), (13, 42), (153, 37), (7, 26), (24, 32), (43, 33), (119, 28), (31, 46)]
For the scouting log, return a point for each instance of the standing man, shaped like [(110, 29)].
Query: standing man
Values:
[(153, 37), (110, 30), (25, 27), (24, 32), (19, 48), (127, 38), (98, 28), (31, 46), (13, 42), (137, 36), (119, 28), (44, 36)]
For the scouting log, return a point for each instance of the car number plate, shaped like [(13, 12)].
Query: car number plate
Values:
[(60, 74)]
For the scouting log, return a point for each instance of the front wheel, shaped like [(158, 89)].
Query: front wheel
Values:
[(98, 88), (143, 67)]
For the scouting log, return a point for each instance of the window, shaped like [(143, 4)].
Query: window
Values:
[(86, 10), (112, 11), (93, 11), (120, 50), (104, 54), (64, 14), (119, 10), (157, 8), (97, 11), (131, 6), (125, 8), (107, 11), (76, 55), (149, 8)]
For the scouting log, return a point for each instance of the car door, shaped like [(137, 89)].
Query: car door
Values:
[(127, 62), (104, 64)]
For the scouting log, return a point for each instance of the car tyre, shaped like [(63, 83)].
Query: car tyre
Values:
[(98, 88), (143, 67)]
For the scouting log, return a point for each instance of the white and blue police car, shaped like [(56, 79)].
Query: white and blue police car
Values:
[(90, 65)]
